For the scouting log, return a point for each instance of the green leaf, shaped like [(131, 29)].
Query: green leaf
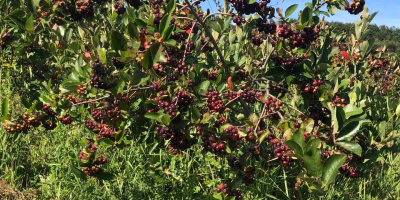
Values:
[(151, 56), (252, 1), (118, 41), (338, 118), (17, 17), (298, 137), (25, 102), (29, 24), (5, 107), (167, 32), (350, 129), (312, 159), (78, 173), (289, 11), (171, 6), (106, 141), (295, 147), (331, 167), (204, 87), (306, 16), (398, 110), (195, 113), (160, 117), (385, 128), (351, 146), (164, 24), (352, 110), (133, 31)]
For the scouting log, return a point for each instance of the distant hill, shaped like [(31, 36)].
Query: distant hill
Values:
[(384, 35)]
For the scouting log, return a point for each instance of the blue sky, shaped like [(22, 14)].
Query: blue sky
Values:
[(388, 10)]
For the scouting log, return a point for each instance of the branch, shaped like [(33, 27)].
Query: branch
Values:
[(187, 42), (208, 33), (232, 100), (217, 13), (263, 111)]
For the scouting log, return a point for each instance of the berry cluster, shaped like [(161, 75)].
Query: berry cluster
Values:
[(221, 121), (240, 74), (155, 86), (106, 132), (5, 39), (98, 67), (348, 170), (214, 101), (229, 191), (247, 176), (177, 137), (87, 156), (119, 8), (48, 125), (116, 100), (257, 40), (318, 113), (238, 20), (231, 95), (98, 115), (304, 38), (65, 119), (243, 7), (280, 89), (273, 105), (280, 150), (90, 124), (183, 97), (134, 3), (117, 64), (81, 89), (211, 144), (100, 82), (312, 87), (356, 7), (33, 119), (156, 10), (337, 101), (113, 113), (16, 127), (74, 99), (287, 63), (47, 109), (267, 27), (168, 106), (233, 133), (84, 9), (248, 95), (210, 75)]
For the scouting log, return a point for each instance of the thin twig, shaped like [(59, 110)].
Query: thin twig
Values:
[(263, 111), (232, 100), (217, 13), (90, 101), (290, 106)]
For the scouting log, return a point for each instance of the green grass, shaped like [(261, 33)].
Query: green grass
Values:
[(143, 169)]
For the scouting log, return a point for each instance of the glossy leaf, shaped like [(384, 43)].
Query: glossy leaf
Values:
[(331, 168), (290, 10), (351, 146)]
